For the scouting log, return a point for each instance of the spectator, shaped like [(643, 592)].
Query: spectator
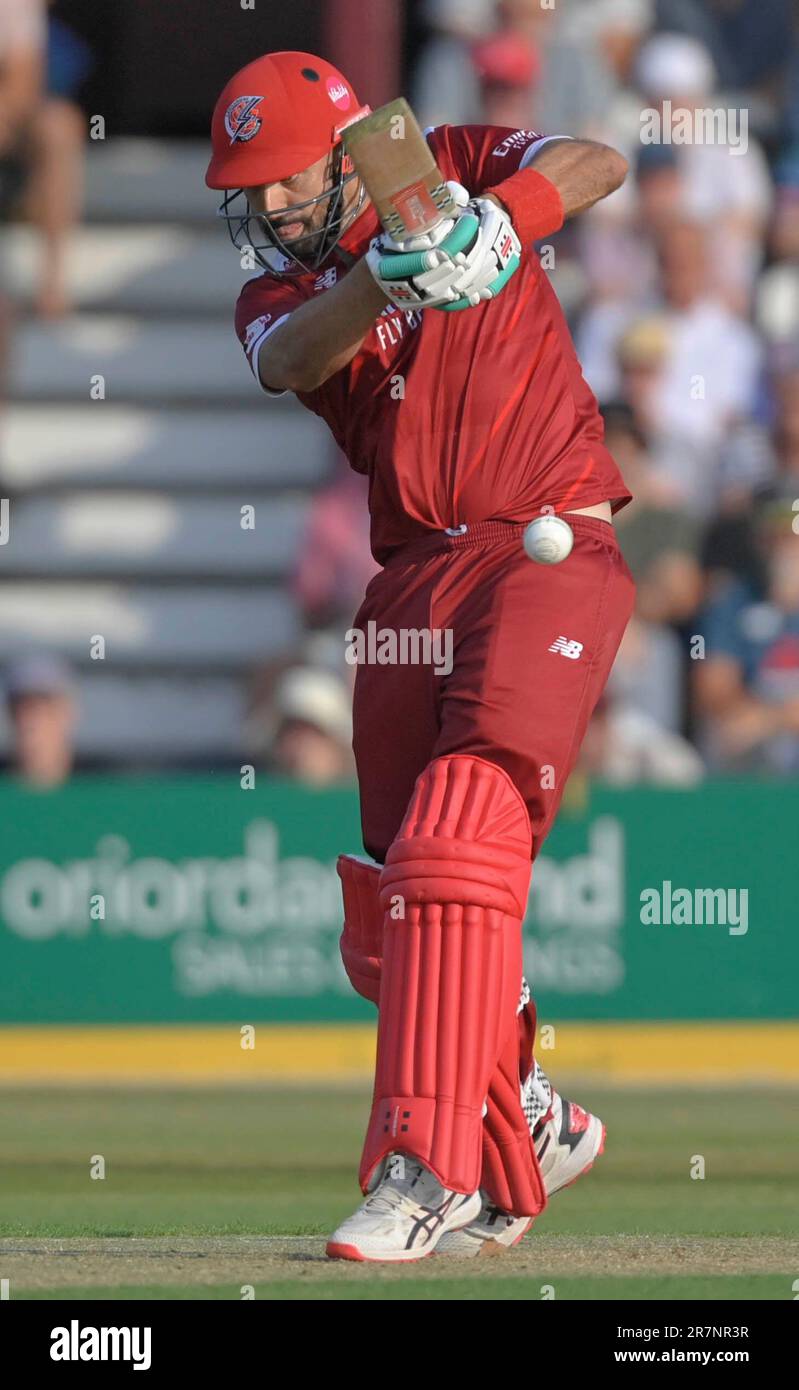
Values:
[(22, 43), (767, 463), (313, 728), (648, 674), (508, 66), (777, 308), (730, 192), (791, 90), (641, 357), (747, 687), (624, 746), (709, 345), (784, 234), (575, 86), (334, 563), (695, 366), (752, 42), (617, 257), (618, 247), (786, 428), (616, 30), (659, 188), (40, 704), (446, 88), (659, 538), (56, 164)]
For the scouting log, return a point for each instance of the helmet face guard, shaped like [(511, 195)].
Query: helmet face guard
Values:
[(258, 234)]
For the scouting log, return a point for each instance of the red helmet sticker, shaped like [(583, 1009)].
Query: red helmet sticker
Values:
[(338, 93), (242, 121)]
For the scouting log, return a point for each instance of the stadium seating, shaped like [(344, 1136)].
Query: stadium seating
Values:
[(126, 510)]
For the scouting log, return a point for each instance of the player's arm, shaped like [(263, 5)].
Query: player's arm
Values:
[(322, 336), (560, 179), (583, 171)]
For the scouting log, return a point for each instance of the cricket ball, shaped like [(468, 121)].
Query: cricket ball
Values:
[(548, 539)]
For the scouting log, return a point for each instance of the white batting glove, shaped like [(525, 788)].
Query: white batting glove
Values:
[(491, 262), (472, 262)]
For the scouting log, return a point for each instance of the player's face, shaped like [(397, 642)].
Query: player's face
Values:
[(281, 202)]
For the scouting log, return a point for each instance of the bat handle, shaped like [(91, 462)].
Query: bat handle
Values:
[(409, 263)]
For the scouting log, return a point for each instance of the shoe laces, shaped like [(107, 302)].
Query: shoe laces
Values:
[(393, 1191)]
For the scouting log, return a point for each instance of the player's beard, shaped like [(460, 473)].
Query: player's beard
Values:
[(308, 242), (320, 225), (305, 242)]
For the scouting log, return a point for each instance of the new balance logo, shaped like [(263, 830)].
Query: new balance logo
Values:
[(573, 650)]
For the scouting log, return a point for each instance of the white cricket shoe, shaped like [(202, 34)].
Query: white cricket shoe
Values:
[(567, 1141), (404, 1217)]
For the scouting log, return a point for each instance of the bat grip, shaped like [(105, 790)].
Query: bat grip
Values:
[(403, 265)]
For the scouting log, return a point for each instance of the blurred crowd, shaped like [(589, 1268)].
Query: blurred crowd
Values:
[(682, 292), (43, 63)]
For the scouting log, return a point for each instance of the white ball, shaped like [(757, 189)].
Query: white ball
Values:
[(548, 539)]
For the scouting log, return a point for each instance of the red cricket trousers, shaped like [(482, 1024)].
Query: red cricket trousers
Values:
[(531, 646)]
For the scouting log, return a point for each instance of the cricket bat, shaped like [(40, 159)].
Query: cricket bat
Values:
[(398, 171)]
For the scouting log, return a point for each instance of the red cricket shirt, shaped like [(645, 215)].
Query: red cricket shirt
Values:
[(455, 417)]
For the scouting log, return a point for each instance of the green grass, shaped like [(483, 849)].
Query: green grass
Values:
[(210, 1163), (279, 1162), (729, 1288)]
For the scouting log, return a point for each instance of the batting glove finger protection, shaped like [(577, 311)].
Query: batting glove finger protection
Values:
[(471, 263)]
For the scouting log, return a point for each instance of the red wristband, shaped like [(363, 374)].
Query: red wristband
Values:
[(534, 204)]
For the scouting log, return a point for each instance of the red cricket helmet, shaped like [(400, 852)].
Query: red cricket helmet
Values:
[(276, 117)]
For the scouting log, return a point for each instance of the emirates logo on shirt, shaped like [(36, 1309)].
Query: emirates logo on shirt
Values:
[(518, 140)]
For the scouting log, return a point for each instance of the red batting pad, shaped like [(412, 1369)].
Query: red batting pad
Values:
[(452, 963), (362, 938), (510, 1171)]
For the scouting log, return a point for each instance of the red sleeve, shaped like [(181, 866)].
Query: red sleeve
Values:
[(263, 305), (479, 156)]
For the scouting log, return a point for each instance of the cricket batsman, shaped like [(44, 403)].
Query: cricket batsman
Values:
[(446, 373)]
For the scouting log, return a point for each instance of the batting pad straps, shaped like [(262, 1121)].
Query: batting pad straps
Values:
[(510, 1173), (362, 938), (454, 889), (534, 204)]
